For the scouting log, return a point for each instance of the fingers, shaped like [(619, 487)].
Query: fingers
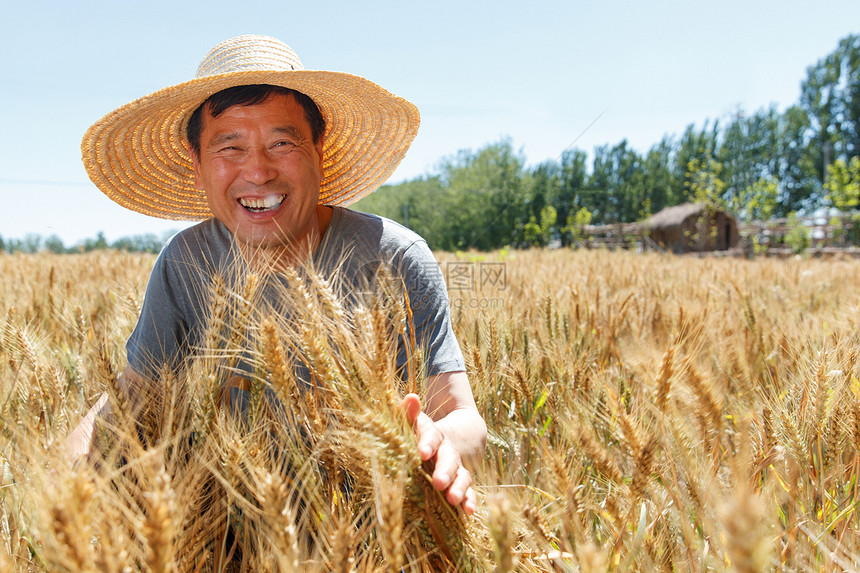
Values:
[(429, 437), (447, 466), (412, 407), (470, 502), (460, 491), (449, 475)]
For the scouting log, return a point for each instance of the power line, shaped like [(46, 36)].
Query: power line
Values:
[(45, 182), (583, 132)]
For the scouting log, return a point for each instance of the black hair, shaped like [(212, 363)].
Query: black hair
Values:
[(253, 94)]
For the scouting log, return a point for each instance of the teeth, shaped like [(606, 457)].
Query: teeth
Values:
[(265, 204)]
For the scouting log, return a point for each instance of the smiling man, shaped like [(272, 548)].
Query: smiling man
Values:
[(268, 155), (259, 162)]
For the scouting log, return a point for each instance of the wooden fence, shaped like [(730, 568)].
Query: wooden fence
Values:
[(814, 234)]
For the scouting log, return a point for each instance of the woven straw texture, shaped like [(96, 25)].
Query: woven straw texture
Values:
[(137, 154)]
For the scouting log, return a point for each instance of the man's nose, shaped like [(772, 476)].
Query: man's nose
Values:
[(258, 167)]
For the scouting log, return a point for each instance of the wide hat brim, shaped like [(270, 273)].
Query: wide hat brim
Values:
[(137, 154)]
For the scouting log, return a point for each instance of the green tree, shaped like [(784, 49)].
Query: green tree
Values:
[(658, 180), (797, 237), (850, 96), (795, 170), (31, 243), (759, 201), (540, 234), (573, 178), (545, 188), (830, 95), (616, 188), (477, 200), (843, 184), (55, 245), (99, 243), (576, 222), (422, 206), (148, 243), (747, 152), (419, 204), (487, 196), (704, 182), (700, 146)]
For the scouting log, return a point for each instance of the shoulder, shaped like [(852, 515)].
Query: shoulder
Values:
[(206, 237), (207, 244), (400, 247), (374, 228), (353, 235)]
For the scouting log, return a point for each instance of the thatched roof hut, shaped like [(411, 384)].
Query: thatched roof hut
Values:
[(693, 227)]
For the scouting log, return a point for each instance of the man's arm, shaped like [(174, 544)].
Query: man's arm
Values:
[(452, 433), (80, 442)]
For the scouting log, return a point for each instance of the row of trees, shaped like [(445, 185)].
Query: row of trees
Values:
[(759, 165), (33, 243)]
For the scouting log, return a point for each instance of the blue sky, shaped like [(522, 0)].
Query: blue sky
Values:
[(539, 73)]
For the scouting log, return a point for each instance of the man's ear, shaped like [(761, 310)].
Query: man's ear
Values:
[(195, 164), (319, 149)]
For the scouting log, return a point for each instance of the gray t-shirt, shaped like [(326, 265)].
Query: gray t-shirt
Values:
[(173, 317)]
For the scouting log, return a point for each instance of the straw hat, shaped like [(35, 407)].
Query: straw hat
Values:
[(137, 154)]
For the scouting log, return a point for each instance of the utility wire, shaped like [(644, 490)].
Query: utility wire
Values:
[(583, 132), (46, 182)]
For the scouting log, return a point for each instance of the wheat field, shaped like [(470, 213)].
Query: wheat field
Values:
[(646, 413)]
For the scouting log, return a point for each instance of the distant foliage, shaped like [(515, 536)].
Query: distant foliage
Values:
[(760, 165), (33, 243), (843, 184), (797, 237)]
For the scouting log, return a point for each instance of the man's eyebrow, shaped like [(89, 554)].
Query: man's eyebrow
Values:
[(228, 136), (289, 130), (224, 138)]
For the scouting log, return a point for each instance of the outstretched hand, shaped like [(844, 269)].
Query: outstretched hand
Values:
[(449, 475)]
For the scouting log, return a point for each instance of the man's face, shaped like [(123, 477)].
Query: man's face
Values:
[(261, 172)]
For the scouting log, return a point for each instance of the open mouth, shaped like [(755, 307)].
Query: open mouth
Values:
[(267, 203)]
